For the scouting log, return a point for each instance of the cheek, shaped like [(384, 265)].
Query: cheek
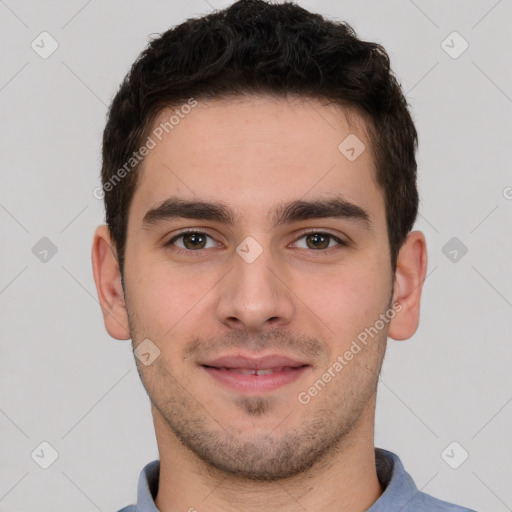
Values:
[(163, 295), (349, 300)]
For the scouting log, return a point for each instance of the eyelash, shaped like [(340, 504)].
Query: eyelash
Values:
[(179, 250)]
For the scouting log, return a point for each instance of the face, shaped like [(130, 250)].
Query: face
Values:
[(257, 253)]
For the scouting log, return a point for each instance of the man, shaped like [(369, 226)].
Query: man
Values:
[(260, 190)]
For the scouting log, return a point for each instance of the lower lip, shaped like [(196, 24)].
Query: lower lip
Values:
[(256, 383)]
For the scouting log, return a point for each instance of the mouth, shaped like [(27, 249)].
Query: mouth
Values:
[(246, 374), (249, 371)]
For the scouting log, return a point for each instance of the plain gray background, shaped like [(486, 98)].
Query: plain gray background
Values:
[(64, 381)]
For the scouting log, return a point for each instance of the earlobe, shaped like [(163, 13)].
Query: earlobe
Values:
[(107, 277), (409, 277)]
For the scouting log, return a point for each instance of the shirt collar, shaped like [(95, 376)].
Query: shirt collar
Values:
[(399, 487), (147, 488)]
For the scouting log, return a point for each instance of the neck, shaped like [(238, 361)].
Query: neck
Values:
[(344, 480)]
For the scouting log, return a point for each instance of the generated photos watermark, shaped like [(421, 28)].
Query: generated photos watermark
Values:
[(304, 397), (136, 158)]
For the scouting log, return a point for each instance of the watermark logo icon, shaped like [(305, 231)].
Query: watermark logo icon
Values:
[(44, 45), (454, 249), (351, 147), (44, 455), (249, 249), (146, 352), (44, 250), (454, 45), (454, 455)]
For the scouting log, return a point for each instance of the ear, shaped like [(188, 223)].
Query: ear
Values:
[(409, 277), (107, 277)]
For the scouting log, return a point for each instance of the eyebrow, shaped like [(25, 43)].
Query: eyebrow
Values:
[(294, 211)]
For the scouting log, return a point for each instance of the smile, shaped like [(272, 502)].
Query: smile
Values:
[(252, 371)]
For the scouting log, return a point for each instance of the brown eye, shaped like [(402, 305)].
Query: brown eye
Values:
[(192, 241), (318, 241)]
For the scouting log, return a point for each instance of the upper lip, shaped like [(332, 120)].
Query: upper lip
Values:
[(254, 363)]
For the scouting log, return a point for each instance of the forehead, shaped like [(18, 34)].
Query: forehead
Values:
[(256, 151)]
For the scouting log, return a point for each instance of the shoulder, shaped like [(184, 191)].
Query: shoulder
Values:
[(425, 503), (400, 491)]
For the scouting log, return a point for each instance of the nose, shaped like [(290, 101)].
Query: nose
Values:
[(255, 296)]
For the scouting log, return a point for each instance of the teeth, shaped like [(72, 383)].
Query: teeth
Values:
[(266, 372), (243, 371)]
